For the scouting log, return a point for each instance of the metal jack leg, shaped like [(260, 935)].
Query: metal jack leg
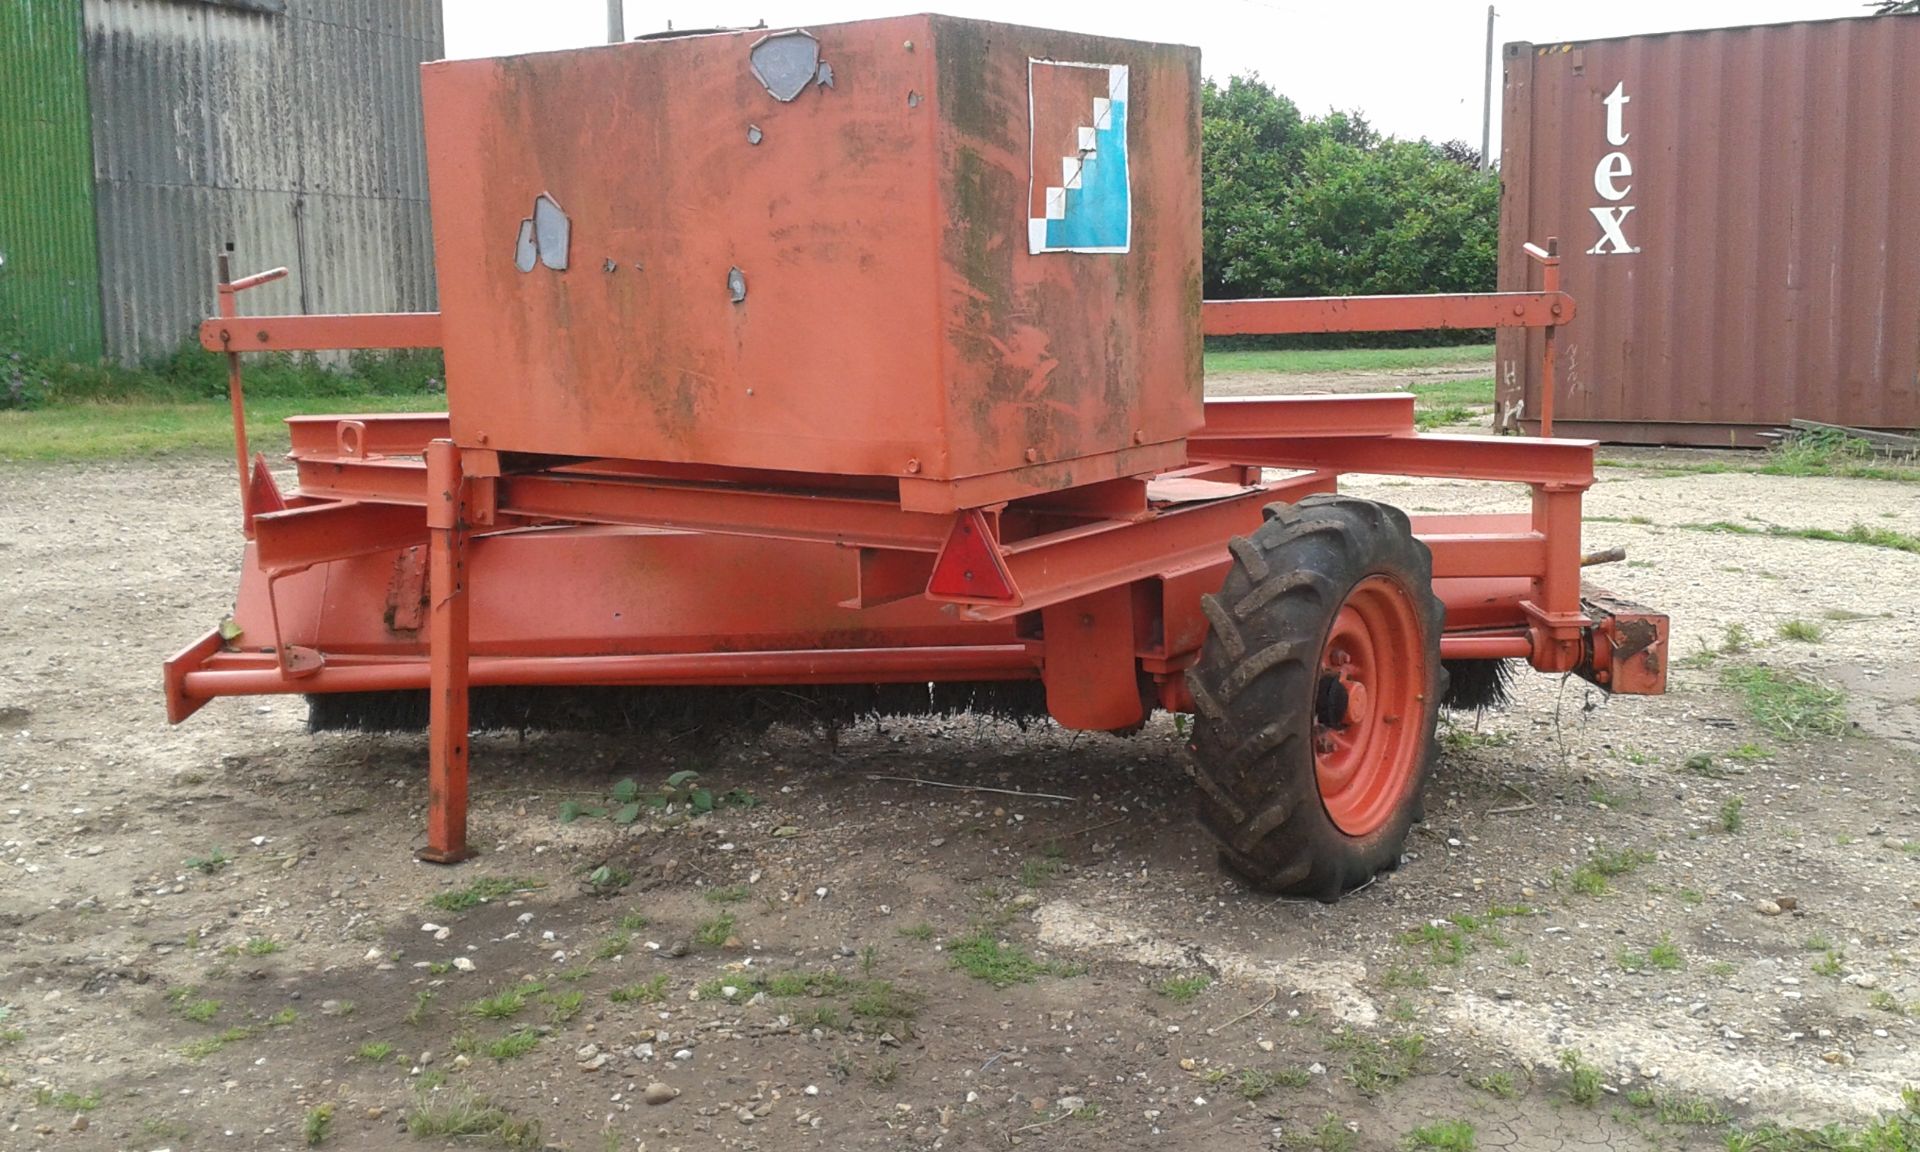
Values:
[(448, 491)]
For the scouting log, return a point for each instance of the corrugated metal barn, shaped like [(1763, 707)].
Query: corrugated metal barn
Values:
[(138, 138), (1739, 221)]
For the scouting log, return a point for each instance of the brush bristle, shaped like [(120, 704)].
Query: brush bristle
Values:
[(676, 709), (1477, 685)]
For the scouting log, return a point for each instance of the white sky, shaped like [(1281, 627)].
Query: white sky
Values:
[(1415, 68)]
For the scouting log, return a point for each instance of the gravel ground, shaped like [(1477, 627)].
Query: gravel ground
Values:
[(1705, 976)]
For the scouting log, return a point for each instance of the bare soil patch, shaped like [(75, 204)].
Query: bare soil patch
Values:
[(805, 972)]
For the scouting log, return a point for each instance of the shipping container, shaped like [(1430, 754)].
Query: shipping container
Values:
[(1738, 217), (138, 138)]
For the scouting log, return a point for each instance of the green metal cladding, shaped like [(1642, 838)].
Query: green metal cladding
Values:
[(49, 254)]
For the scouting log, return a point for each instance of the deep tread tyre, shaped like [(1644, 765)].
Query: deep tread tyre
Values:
[(1310, 788)]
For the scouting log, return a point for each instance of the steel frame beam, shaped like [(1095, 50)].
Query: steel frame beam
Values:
[(1303, 314)]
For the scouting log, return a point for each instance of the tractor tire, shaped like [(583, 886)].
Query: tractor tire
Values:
[(1316, 696)]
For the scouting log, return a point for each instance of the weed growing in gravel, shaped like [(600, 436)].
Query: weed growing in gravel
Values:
[(1583, 1079), (1882, 1000), (421, 1000), (261, 946), (11, 1036), (1256, 1083), (1499, 1085), (984, 957), (1412, 976), (922, 931), (1855, 534), (465, 1114), (1692, 896), (1895, 1132), (1591, 878), (564, 1006), (1731, 820), (1787, 704), (1679, 1108), (318, 1123), (1705, 764), (200, 1011), (1457, 739), (613, 946), (66, 1101), (1665, 955), (715, 932), (1330, 1135), (1445, 1136), (1804, 631), (212, 862), (285, 1018), (1374, 1066), (1181, 989), (729, 894), (206, 1046), (1038, 871), (1446, 944), (374, 1052), (502, 1005), (646, 992), (481, 891), (513, 1045), (1828, 964)]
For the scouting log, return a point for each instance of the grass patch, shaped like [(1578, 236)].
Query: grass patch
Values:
[(564, 1006), (1804, 631), (715, 932), (465, 1114), (1039, 871), (1182, 989), (1865, 534), (374, 1052), (207, 1045), (1499, 1085), (730, 894), (983, 956), (1373, 1065), (651, 991), (261, 946), (882, 1000), (1591, 878), (1443, 1136), (1299, 361), (503, 1005), (481, 891), (513, 1045), (121, 431), (922, 931), (66, 1101), (200, 1011), (1786, 704)]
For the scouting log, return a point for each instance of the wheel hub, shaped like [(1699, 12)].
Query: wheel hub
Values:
[(1372, 679)]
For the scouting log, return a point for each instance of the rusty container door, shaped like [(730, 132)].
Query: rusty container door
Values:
[(815, 250), (1736, 213)]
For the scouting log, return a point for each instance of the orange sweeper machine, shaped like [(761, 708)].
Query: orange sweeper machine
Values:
[(857, 369)]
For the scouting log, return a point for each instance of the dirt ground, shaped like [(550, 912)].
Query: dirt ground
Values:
[(800, 974)]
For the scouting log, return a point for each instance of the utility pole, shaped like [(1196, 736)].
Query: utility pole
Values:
[(617, 22), (1486, 102)]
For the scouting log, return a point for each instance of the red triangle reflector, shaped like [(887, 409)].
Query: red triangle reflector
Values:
[(970, 566), (263, 495)]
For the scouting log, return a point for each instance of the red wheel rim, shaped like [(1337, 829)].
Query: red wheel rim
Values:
[(1368, 702)]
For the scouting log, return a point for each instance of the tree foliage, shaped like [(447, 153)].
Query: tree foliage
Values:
[(1324, 205)]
